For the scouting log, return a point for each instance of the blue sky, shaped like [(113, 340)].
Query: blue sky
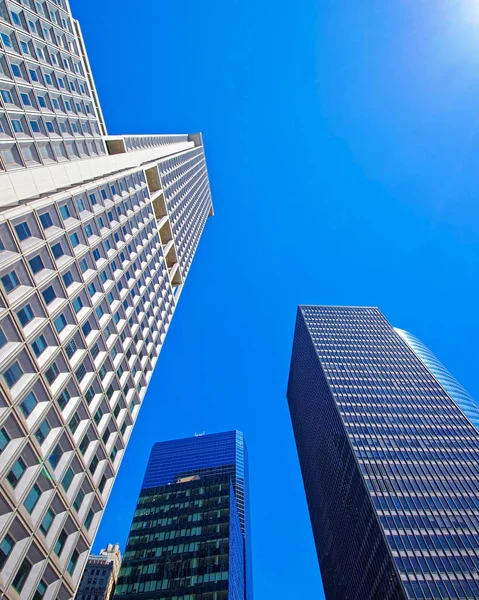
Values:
[(342, 144)]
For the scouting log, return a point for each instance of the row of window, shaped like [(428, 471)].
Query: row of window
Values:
[(30, 99)]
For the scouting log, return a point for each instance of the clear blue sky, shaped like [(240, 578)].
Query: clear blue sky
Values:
[(343, 149)]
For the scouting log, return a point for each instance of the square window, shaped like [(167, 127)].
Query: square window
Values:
[(47, 521), (39, 345), (25, 99), (64, 211), (36, 264), (10, 281), (25, 315), (41, 102), (50, 127), (4, 439), (16, 70), (46, 220), (18, 469), (60, 323), (12, 374), (32, 498), (42, 432), (33, 75), (21, 576), (57, 250), (6, 96), (74, 239), (35, 126), (77, 304), (67, 278), (49, 294), (28, 404), (23, 231), (7, 42)]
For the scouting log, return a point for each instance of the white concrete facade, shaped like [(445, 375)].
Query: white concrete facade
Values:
[(94, 252)]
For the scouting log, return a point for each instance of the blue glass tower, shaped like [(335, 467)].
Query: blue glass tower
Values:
[(389, 457), (189, 539)]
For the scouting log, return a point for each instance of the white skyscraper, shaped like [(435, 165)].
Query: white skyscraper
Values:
[(97, 234)]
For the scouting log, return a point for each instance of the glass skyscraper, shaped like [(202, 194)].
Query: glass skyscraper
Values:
[(190, 538), (97, 237), (389, 456)]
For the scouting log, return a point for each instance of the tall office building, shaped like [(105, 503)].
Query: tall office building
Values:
[(100, 575), (189, 539), (390, 459), (97, 234)]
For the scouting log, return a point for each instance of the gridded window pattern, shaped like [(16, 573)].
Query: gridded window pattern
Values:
[(187, 193), (389, 461), (140, 142), (85, 304), (97, 580), (47, 104), (186, 539)]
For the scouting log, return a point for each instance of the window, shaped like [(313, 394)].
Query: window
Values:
[(39, 345), (57, 250), (25, 99), (63, 399), (101, 487), (84, 444), (13, 374), (96, 254), (48, 79), (74, 422), (83, 265), (36, 264), (47, 521), (103, 276), (93, 464), (16, 70), (33, 75), (86, 328), (92, 197), (7, 42), (77, 304), (78, 500), (73, 561), (71, 348), (52, 373), (104, 195), (55, 103), (40, 591), (89, 395), (46, 220), (22, 574), (6, 96), (6, 546), (24, 47), (4, 439), (35, 127), (80, 373), (74, 239), (28, 404), (17, 126), (41, 102), (100, 223), (67, 105), (61, 83), (55, 456), (10, 281), (67, 278), (18, 469), (62, 538), (60, 323), (49, 294), (88, 230), (50, 127), (25, 315), (89, 519), (32, 498), (99, 311), (67, 479), (42, 432), (64, 211), (23, 231)]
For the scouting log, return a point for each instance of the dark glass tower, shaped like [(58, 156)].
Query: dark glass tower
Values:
[(189, 539), (390, 460)]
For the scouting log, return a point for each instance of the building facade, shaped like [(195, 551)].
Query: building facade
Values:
[(390, 461), (100, 575), (189, 539), (97, 235)]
